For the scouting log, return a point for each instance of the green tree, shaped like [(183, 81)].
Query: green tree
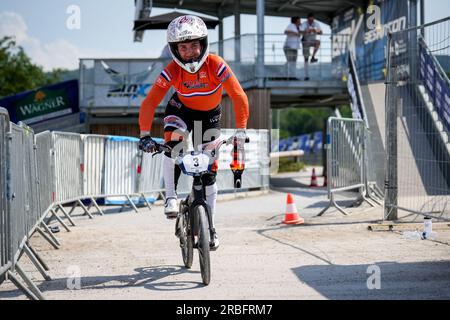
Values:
[(18, 73), (297, 121), (301, 121)]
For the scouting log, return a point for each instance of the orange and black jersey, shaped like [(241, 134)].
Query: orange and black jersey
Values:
[(199, 91)]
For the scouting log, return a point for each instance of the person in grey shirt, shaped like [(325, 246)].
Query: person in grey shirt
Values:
[(310, 29)]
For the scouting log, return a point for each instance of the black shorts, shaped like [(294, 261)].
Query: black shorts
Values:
[(185, 120)]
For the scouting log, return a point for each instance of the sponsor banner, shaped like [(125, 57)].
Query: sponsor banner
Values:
[(353, 90), (120, 83), (435, 85), (445, 107), (370, 30), (45, 103)]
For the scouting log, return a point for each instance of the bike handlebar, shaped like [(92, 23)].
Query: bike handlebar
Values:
[(160, 148)]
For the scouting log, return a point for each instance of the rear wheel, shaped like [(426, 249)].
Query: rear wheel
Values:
[(186, 243), (203, 244)]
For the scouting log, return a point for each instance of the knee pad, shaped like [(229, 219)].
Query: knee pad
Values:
[(172, 139)]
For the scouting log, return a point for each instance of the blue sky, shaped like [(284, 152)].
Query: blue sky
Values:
[(106, 29)]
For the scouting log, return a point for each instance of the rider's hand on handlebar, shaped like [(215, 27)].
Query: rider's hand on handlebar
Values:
[(147, 144), (241, 137)]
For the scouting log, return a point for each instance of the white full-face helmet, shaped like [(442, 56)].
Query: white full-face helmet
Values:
[(185, 29)]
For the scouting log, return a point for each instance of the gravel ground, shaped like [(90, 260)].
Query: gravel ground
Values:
[(132, 255)]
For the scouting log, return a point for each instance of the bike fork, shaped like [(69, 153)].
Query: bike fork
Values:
[(199, 193), (211, 229)]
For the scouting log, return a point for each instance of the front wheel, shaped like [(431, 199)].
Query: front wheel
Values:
[(203, 244), (186, 239)]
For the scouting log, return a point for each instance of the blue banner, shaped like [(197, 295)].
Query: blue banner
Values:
[(445, 107), (435, 85), (44, 103), (369, 29)]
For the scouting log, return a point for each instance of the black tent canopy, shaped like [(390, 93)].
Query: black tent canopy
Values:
[(324, 10), (162, 21)]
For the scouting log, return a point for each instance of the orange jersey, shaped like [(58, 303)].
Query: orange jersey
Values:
[(199, 91)]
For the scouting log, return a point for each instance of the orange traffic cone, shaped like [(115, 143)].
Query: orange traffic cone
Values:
[(291, 216), (314, 179)]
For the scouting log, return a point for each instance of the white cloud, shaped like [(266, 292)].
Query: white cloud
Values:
[(12, 24), (56, 54), (60, 53)]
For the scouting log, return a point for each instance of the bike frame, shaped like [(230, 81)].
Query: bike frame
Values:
[(197, 198)]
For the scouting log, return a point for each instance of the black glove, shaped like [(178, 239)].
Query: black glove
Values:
[(147, 144)]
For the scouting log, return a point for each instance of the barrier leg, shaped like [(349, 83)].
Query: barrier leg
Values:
[(377, 191), (96, 206), (368, 201), (73, 208), (41, 261), (60, 221), (29, 283), (332, 204), (132, 203), (66, 215), (49, 219), (324, 210), (373, 198), (50, 234), (20, 286), (337, 206), (89, 206), (46, 237), (36, 262), (85, 209), (146, 201)]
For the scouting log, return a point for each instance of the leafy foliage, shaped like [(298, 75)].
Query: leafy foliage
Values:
[(18, 73), (297, 121)]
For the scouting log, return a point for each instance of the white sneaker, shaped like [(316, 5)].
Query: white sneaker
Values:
[(214, 243), (171, 208)]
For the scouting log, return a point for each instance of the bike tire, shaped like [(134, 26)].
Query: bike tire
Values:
[(203, 244), (186, 241)]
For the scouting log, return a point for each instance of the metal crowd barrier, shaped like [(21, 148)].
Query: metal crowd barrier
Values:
[(5, 256), (39, 174), (67, 152), (92, 165), (150, 176), (418, 122), (20, 205), (347, 160), (256, 174), (121, 164)]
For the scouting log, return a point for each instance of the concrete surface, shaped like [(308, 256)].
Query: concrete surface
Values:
[(132, 255)]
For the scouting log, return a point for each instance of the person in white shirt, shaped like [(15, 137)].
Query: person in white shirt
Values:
[(310, 29), (292, 44)]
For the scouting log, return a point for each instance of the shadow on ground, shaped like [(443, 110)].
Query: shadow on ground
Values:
[(416, 280), (147, 277)]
